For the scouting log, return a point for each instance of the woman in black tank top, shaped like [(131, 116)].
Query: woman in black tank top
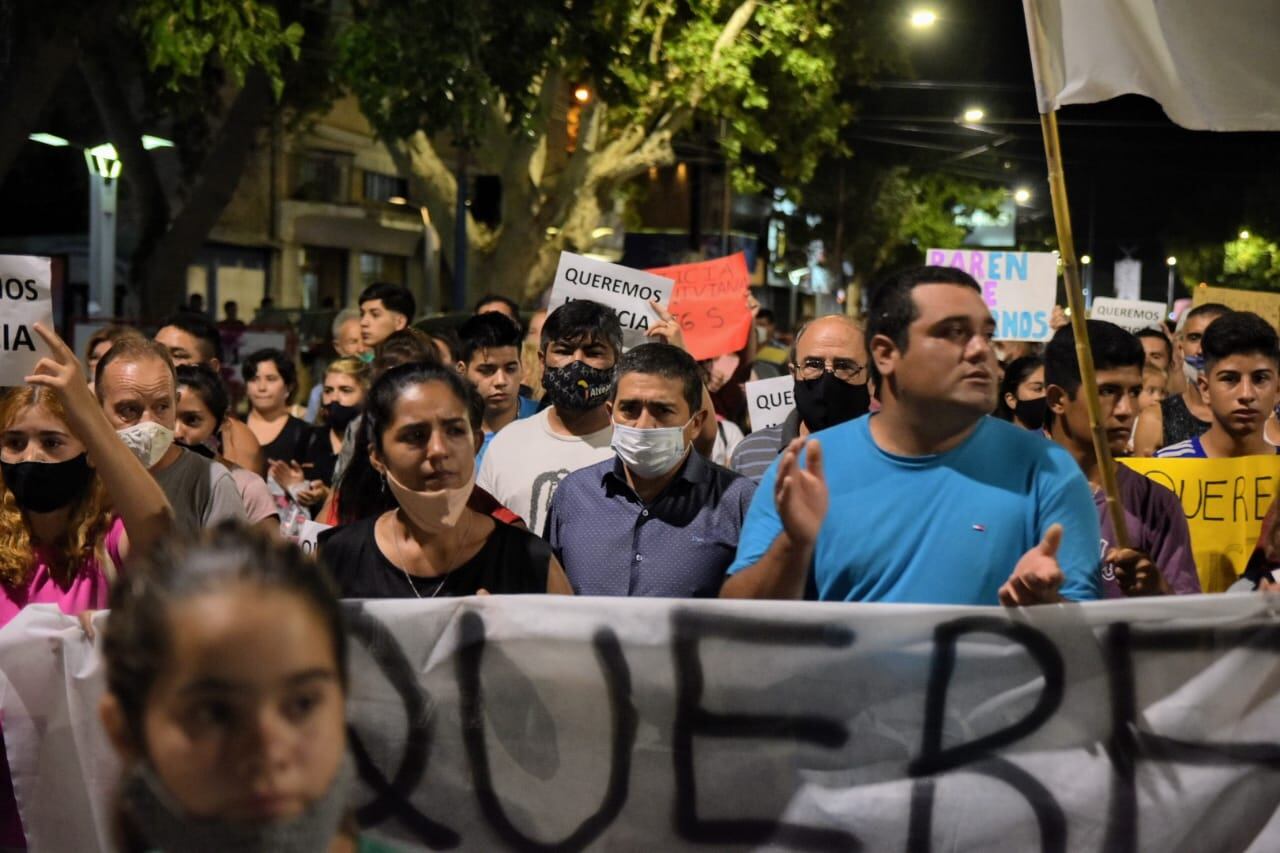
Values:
[(423, 426), (1179, 423)]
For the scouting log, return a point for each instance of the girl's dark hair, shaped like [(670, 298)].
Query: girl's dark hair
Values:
[(137, 639), (1014, 375), (208, 386), (380, 406), (284, 364)]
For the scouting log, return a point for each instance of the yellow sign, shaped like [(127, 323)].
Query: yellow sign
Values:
[(1263, 303), (1225, 501)]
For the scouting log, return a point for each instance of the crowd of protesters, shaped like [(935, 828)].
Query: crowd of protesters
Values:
[(923, 463)]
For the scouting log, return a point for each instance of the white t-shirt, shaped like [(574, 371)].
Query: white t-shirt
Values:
[(728, 436), (526, 461)]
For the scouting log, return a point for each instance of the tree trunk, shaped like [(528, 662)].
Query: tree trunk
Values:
[(160, 277)]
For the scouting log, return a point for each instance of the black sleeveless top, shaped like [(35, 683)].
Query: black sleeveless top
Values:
[(1179, 423), (511, 561), (291, 444)]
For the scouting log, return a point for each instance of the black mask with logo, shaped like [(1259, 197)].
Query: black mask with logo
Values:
[(577, 385), (47, 486), (827, 401)]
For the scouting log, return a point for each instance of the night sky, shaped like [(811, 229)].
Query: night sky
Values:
[(1135, 180)]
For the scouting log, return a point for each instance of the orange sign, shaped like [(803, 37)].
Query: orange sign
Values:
[(710, 302)]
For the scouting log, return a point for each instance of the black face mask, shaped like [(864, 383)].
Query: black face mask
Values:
[(338, 416), (47, 486), (577, 385), (1030, 413), (828, 401), (200, 449)]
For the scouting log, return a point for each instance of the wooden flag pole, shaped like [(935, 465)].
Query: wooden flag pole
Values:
[(1079, 325)]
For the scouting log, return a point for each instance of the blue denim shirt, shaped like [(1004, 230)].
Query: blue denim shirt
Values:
[(678, 546)]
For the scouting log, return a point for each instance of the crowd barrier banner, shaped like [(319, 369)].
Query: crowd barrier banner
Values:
[(1225, 501), (710, 301), (1132, 314), (770, 401), (26, 298), (623, 289), (547, 723), (1263, 303), (1019, 288)]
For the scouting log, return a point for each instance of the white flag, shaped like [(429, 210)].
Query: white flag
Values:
[(1211, 65)]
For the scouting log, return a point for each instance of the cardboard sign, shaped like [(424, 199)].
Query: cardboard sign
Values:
[(1132, 314), (769, 401), (623, 289), (308, 535), (1225, 501), (1266, 305), (1018, 287), (25, 299), (710, 302)]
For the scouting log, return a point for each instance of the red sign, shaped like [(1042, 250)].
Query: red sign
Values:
[(710, 303)]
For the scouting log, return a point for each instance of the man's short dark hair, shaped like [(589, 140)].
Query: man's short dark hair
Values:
[(200, 327), (1159, 336), (893, 309), (666, 361), (491, 330), (1112, 348), (581, 321), (490, 298), (1215, 309), (1239, 333), (394, 297), (284, 366)]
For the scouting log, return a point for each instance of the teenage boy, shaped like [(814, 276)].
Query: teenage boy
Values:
[(1241, 358), (489, 358), (384, 309), (1158, 560)]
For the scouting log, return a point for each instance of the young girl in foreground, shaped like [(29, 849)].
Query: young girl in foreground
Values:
[(226, 683)]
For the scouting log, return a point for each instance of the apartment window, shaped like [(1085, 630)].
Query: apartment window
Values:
[(384, 188)]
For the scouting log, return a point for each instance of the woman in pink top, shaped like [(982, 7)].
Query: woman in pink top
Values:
[(61, 465)]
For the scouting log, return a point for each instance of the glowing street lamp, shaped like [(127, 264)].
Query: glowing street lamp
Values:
[(973, 115), (1244, 234), (1172, 262), (582, 94), (1086, 260), (1022, 195), (923, 18)]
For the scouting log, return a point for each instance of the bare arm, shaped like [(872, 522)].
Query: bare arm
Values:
[(241, 446), (1149, 432), (134, 492), (557, 581)]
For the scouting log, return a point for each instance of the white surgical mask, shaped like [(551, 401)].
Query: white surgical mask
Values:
[(433, 512), (650, 453), (148, 440)]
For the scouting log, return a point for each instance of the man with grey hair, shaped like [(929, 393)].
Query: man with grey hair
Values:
[(828, 362), (346, 343)]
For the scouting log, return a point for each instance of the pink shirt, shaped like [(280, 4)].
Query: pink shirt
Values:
[(87, 590)]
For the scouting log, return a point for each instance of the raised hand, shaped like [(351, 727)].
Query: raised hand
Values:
[(1037, 577), (667, 328), (60, 370), (800, 493), (1136, 573)]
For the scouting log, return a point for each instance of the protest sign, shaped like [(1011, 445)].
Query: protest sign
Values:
[(769, 401), (26, 283), (553, 723), (1263, 303), (308, 533), (1018, 287), (1134, 315), (623, 289), (1225, 501), (710, 302)]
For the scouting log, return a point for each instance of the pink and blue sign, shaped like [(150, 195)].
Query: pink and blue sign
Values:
[(1018, 287)]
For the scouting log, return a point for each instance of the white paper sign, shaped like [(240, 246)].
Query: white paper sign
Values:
[(1132, 314), (26, 298), (1018, 287), (623, 289), (769, 401), (309, 533), (1128, 279)]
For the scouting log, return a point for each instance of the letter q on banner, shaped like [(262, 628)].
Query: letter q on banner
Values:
[(25, 299), (770, 401), (623, 289)]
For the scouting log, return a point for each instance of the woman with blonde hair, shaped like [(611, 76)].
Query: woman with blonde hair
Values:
[(73, 497)]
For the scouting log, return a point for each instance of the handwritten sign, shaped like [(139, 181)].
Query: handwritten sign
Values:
[(710, 302), (1018, 287), (770, 401), (26, 298), (1225, 501), (1132, 314), (308, 533), (1265, 305), (623, 289)]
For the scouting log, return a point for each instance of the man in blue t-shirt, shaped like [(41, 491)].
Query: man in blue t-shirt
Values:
[(929, 501)]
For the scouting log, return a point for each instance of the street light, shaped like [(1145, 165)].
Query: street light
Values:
[(973, 115), (1022, 195), (582, 94), (1086, 260), (923, 18), (1168, 301), (1244, 234), (1171, 261)]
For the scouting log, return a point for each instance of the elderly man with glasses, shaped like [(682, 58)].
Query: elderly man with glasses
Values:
[(828, 362)]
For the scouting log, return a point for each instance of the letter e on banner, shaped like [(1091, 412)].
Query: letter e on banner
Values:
[(25, 299)]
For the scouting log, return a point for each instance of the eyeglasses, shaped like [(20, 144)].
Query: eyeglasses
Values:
[(845, 369)]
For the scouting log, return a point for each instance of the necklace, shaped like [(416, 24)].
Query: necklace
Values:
[(444, 581)]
